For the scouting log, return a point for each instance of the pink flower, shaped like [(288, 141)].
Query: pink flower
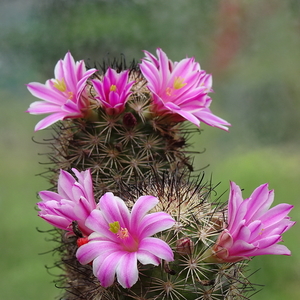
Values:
[(73, 202), (180, 89), (122, 238), (113, 91), (253, 229), (63, 96)]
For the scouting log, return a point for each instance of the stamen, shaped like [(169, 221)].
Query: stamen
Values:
[(169, 91), (123, 233), (113, 88), (178, 83), (60, 85)]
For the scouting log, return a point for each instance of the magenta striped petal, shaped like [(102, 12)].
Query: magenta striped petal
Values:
[(40, 107), (48, 121), (114, 209), (127, 271), (90, 251), (45, 92), (157, 247), (154, 223), (98, 223), (258, 207), (48, 196), (107, 269), (141, 207), (146, 258), (276, 214)]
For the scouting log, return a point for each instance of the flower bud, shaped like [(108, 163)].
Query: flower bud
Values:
[(82, 241), (129, 120), (184, 246)]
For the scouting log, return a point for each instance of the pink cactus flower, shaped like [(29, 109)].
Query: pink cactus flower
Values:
[(253, 229), (113, 91), (121, 238), (73, 202), (63, 97), (180, 89)]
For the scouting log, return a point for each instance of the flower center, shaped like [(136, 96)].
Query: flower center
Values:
[(113, 88), (177, 85), (128, 242), (60, 85)]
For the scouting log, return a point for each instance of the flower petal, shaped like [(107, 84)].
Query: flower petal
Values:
[(141, 207), (127, 271), (157, 247), (154, 223)]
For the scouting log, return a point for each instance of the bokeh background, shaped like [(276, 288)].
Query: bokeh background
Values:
[(252, 48)]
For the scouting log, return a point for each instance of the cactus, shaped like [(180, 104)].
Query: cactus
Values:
[(123, 134)]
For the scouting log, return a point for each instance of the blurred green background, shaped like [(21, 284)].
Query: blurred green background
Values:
[(252, 48)]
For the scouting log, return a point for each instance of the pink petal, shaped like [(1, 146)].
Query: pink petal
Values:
[(275, 249), (154, 223), (57, 221), (151, 74), (207, 117), (186, 115), (267, 241), (46, 122), (107, 270), (69, 67), (241, 248), (59, 70), (127, 271), (65, 184), (97, 222), (48, 195), (83, 208), (82, 82), (140, 209), (42, 107), (88, 252), (85, 179), (261, 200), (44, 92), (276, 214), (145, 258), (114, 209), (157, 247), (235, 200), (163, 65)]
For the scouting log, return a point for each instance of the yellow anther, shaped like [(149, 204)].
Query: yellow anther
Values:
[(178, 83), (113, 88), (60, 85)]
